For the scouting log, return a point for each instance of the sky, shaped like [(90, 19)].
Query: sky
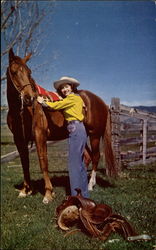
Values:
[(108, 46)]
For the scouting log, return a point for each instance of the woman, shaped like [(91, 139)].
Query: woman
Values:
[(72, 106)]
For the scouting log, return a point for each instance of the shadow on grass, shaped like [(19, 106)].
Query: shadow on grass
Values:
[(59, 181), (39, 185), (103, 183)]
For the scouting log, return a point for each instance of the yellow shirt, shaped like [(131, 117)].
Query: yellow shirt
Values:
[(72, 107)]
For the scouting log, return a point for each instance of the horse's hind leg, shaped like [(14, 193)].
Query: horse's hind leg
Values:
[(95, 143), (87, 155), (24, 156)]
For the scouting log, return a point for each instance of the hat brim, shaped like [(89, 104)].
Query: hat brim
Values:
[(57, 84)]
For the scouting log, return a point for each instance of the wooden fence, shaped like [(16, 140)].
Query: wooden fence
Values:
[(126, 132), (135, 127)]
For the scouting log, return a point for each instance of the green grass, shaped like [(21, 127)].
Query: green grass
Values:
[(7, 143), (26, 223)]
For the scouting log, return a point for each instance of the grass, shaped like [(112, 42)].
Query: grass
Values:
[(7, 143), (26, 223)]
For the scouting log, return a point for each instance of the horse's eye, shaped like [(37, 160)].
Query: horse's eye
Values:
[(13, 70)]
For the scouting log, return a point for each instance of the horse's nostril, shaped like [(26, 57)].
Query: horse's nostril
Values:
[(28, 99)]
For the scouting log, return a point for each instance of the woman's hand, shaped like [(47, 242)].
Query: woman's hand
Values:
[(40, 99)]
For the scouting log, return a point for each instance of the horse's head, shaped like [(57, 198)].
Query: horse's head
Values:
[(20, 76)]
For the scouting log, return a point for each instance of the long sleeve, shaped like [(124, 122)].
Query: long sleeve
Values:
[(62, 104), (72, 107)]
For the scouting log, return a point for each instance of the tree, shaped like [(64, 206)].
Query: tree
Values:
[(21, 27)]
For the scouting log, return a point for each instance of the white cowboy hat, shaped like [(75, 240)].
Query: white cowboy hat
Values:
[(66, 79)]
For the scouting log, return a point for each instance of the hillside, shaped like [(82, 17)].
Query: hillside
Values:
[(151, 109)]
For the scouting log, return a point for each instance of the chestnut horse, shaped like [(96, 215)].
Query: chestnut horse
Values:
[(29, 121)]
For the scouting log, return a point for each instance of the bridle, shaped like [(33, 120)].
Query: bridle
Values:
[(20, 89), (21, 95)]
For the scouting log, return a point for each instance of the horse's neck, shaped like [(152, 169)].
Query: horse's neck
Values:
[(34, 86), (87, 101), (12, 93)]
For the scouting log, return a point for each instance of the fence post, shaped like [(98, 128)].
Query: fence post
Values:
[(144, 148), (115, 121)]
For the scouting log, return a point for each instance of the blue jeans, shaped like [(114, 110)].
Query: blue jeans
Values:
[(77, 170)]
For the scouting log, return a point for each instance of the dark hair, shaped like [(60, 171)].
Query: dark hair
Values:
[(73, 87)]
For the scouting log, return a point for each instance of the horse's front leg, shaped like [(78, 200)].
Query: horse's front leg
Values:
[(95, 142), (43, 160), (24, 156)]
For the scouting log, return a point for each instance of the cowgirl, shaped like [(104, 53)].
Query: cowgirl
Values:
[(72, 106)]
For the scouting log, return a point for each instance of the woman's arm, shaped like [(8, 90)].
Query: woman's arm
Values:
[(64, 103)]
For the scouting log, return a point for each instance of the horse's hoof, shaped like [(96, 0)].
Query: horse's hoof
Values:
[(45, 200), (90, 188), (53, 195), (49, 198), (23, 194)]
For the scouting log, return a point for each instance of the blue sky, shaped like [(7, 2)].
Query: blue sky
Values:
[(109, 46)]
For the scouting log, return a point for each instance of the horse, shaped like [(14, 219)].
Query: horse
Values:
[(30, 122)]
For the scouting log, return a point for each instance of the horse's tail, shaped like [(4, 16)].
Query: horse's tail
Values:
[(111, 166)]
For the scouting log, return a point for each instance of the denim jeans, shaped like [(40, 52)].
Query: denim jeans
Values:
[(77, 170)]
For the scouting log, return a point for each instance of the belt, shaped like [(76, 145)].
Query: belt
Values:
[(74, 121)]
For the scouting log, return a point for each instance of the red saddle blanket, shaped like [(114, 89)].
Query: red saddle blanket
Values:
[(53, 96)]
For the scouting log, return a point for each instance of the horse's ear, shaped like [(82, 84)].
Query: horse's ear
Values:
[(11, 55), (26, 58)]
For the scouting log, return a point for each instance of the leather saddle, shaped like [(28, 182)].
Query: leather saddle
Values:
[(97, 219)]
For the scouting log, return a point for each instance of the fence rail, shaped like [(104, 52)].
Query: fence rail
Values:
[(145, 128)]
